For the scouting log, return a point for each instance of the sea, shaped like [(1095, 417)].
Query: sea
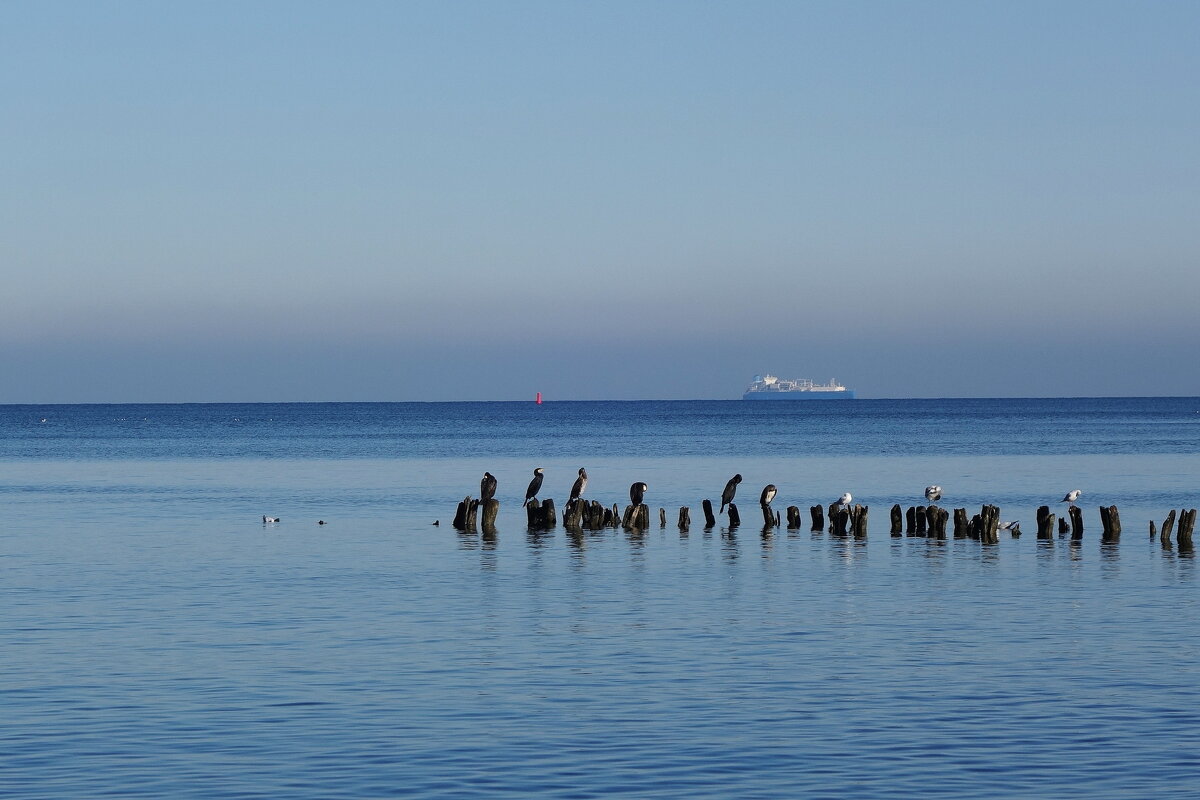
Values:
[(158, 639)]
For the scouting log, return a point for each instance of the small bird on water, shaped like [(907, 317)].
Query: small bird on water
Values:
[(768, 494), (637, 492), (579, 485), (1071, 497), (487, 487), (933, 493), (534, 486), (730, 491), (270, 520)]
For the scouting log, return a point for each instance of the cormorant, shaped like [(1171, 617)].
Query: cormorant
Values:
[(636, 492), (768, 494), (487, 487), (534, 486), (579, 485), (730, 491)]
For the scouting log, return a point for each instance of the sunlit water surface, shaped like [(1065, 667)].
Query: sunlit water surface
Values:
[(159, 641)]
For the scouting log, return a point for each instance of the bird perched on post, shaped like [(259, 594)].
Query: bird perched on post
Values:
[(730, 491), (845, 500), (768, 494), (637, 492), (487, 487), (933, 493), (1071, 497), (534, 486), (579, 485)]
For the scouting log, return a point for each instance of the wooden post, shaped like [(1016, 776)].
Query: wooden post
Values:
[(838, 517), (858, 521), (1076, 523), (937, 521), (910, 517), (897, 520), (793, 517), (1045, 523), (1168, 526), (685, 518), (573, 513), (472, 509), (818, 518), (961, 524), (491, 507), (1183, 537), (460, 516), (735, 518), (549, 520), (1110, 521), (1063, 526), (1153, 531), (990, 524), (662, 517), (709, 519)]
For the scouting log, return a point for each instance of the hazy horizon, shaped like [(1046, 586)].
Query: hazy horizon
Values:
[(270, 201)]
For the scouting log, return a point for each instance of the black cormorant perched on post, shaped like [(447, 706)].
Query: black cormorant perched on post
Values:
[(730, 491), (637, 492), (579, 485), (768, 494), (534, 486), (487, 487)]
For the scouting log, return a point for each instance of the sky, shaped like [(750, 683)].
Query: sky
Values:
[(302, 201)]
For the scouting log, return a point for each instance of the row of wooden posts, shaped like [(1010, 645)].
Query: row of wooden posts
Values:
[(922, 521)]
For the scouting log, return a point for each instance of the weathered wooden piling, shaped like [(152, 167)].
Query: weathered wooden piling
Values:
[(460, 516), (937, 518), (910, 521), (735, 518), (1110, 522), (818, 517), (472, 511), (491, 507), (1063, 526), (1076, 523), (1045, 523), (961, 524), (709, 520), (897, 520), (989, 524), (662, 517), (838, 520), (1183, 536), (919, 513), (636, 517), (793, 517), (768, 515), (1167, 526), (685, 518), (858, 521), (573, 513)]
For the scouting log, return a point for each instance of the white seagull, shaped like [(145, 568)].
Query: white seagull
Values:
[(933, 493), (270, 520), (845, 500), (1071, 496)]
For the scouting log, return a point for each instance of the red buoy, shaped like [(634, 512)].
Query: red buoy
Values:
[(539, 398)]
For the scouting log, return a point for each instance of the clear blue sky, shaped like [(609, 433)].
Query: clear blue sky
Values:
[(452, 200)]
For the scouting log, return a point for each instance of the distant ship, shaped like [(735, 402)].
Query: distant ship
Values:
[(768, 387)]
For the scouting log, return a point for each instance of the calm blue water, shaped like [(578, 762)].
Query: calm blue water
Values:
[(157, 640)]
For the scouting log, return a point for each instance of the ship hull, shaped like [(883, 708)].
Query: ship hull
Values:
[(802, 396)]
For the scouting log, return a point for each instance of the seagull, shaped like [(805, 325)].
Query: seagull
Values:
[(487, 487), (579, 485), (636, 492), (1011, 525), (768, 494), (730, 491), (270, 520), (933, 493), (1071, 497), (534, 486), (845, 500)]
